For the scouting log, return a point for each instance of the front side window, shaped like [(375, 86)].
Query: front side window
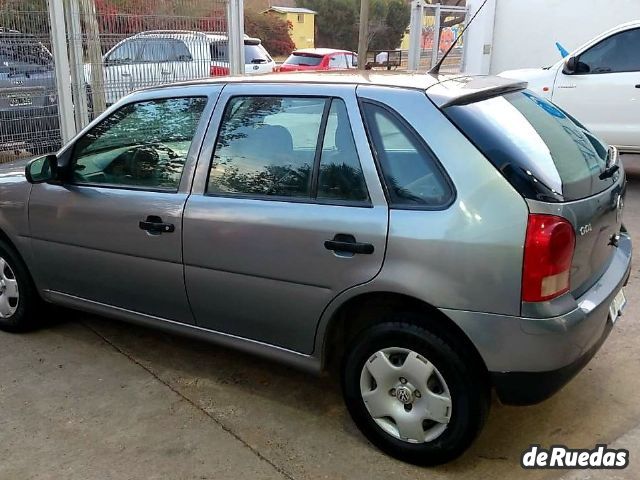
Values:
[(618, 53), (142, 145), (410, 170), (126, 53), (271, 146)]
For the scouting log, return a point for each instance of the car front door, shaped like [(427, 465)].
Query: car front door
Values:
[(286, 212), (111, 233), (604, 92)]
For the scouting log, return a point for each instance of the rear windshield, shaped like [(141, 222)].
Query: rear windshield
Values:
[(304, 60), (545, 153), (252, 53)]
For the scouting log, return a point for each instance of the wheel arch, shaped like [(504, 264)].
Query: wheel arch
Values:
[(367, 309)]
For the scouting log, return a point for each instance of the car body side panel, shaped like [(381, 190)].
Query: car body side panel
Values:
[(467, 257)]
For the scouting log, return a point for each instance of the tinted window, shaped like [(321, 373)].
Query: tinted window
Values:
[(252, 53), (410, 171), (143, 144), (618, 53), (338, 61), (125, 53), (340, 176), (266, 146), (540, 149), (156, 51), (180, 52), (304, 60)]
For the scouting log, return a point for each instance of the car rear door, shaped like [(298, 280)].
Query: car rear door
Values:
[(286, 212), (603, 93), (111, 233)]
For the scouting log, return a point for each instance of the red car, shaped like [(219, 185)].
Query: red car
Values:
[(317, 59)]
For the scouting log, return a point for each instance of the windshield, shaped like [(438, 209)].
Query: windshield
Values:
[(545, 153), (304, 59)]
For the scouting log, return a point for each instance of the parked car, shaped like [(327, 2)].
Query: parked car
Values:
[(427, 238), (319, 59), (28, 99), (165, 56), (599, 84)]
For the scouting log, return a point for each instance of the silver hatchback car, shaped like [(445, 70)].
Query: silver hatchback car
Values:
[(427, 238)]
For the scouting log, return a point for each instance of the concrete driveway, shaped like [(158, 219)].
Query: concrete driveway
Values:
[(90, 398)]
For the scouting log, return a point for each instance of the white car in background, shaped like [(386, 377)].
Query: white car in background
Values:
[(165, 56), (599, 84)]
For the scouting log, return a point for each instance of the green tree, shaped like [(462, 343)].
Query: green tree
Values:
[(337, 22)]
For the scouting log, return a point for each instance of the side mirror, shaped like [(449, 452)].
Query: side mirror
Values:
[(42, 169), (570, 66)]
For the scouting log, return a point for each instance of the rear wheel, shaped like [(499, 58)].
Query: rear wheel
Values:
[(19, 301), (412, 394)]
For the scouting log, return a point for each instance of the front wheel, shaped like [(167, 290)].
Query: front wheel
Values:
[(412, 394), (19, 300)]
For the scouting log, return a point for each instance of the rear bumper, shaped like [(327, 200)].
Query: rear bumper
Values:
[(531, 359)]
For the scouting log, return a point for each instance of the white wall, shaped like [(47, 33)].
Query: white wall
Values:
[(525, 31), (479, 37)]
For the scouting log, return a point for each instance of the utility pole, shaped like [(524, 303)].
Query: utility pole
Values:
[(363, 36)]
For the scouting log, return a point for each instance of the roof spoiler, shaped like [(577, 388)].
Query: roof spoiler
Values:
[(466, 90)]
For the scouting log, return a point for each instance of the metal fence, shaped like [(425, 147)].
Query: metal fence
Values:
[(28, 96), (99, 51), (433, 29)]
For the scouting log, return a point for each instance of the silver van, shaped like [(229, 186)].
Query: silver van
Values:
[(425, 238)]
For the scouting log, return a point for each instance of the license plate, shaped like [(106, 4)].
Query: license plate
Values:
[(19, 100), (616, 307)]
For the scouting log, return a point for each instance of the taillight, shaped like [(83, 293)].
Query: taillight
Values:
[(548, 252), (216, 71)]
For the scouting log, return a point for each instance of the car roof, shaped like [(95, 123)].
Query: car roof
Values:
[(188, 35), (443, 89), (321, 51)]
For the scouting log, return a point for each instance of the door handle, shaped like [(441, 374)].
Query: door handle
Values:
[(125, 74), (154, 224), (347, 243), (638, 86), (164, 72)]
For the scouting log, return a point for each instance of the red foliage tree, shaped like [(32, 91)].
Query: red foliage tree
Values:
[(273, 31)]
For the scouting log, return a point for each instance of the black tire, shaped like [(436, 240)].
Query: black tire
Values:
[(29, 305), (466, 381)]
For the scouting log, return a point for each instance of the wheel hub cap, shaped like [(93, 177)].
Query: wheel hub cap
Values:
[(9, 294), (406, 395)]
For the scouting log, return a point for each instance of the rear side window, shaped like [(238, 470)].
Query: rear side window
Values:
[(304, 60), (543, 152), (289, 147), (253, 53), (411, 173)]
